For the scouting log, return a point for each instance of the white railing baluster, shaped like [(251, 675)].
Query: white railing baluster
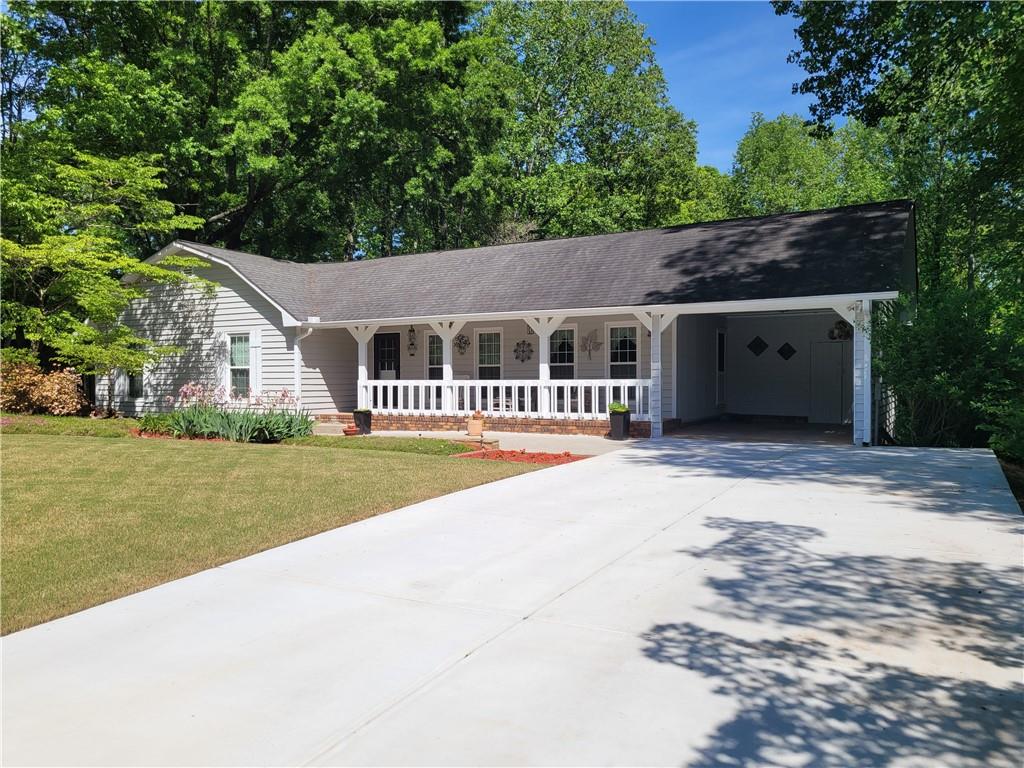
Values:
[(520, 398)]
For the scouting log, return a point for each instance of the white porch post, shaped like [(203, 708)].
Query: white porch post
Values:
[(862, 405), (655, 404), (300, 334), (657, 323), (447, 330), (362, 335), (544, 327)]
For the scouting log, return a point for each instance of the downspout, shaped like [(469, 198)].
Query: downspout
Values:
[(297, 363)]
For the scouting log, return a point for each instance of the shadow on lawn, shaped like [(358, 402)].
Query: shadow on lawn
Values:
[(821, 695)]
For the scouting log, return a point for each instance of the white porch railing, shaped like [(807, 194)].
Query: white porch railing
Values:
[(555, 398)]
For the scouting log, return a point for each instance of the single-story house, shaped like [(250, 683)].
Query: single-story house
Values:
[(764, 316)]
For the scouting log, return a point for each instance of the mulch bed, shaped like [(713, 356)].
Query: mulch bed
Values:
[(523, 456), (163, 436)]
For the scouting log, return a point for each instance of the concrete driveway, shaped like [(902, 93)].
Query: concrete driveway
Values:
[(676, 602)]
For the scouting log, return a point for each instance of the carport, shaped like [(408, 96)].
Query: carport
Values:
[(786, 375)]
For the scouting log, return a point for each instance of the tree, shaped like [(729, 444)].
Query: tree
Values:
[(786, 165), (589, 141), (69, 228), (943, 80)]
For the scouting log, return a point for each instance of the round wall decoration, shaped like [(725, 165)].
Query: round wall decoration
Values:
[(841, 331), (461, 343), (523, 351)]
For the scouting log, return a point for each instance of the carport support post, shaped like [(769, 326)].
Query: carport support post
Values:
[(362, 334), (447, 330), (862, 405), (655, 405), (656, 323)]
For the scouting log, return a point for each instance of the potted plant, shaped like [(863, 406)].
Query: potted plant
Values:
[(362, 417), (475, 424), (618, 413)]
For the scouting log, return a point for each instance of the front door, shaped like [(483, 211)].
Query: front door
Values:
[(386, 363)]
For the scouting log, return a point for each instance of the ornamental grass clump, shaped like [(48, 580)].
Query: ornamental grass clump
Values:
[(202, 420)]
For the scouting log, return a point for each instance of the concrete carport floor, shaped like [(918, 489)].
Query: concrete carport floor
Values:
[(671, 603)]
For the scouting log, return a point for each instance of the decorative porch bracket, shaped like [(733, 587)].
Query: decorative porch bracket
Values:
[(657, 323), (362, 335), (544, 326), (447, 330)]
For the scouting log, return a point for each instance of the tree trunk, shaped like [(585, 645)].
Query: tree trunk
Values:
[(110, 393)]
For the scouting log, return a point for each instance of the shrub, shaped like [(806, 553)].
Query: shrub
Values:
[(1007, 428), (955, 371), (156, 423), (618, 407), (24, 388), (241, 426), (60, 393), (18, 381)]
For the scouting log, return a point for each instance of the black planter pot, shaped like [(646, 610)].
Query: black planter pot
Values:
[(363, 419), (620, 425)]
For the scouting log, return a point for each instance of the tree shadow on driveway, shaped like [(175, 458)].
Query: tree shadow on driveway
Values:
[(882, 660)]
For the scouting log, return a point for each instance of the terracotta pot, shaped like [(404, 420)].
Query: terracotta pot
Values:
[(475, 427)]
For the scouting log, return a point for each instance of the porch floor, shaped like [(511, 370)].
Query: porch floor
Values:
[(736, 430)]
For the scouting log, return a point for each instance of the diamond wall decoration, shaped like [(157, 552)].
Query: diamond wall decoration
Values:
[(786, 351), (757, 345)]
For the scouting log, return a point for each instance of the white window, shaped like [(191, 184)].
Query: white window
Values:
[(488, 354), (435, 356), (623, 352), (136, 388), (562, 356), (238, 361)]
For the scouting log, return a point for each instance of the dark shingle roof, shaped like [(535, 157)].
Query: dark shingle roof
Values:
[(854, 249)]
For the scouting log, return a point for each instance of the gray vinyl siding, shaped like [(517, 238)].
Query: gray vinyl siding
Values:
[(195, 322), (696, 362), (329, 371)]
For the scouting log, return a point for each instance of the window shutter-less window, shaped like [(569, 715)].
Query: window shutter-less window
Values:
[(256, 360)]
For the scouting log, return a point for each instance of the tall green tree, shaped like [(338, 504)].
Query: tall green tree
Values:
[(944, 80), (589, 142), (69, 225), (785, 165)]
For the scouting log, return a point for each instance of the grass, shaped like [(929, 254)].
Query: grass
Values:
[(22, 424), (86, 520), (371, 443)]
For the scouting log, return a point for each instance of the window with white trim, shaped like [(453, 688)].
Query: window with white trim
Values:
[(488, 355), (623, 352), (562, 354), (135, 386), (238, 361), (435, 356)]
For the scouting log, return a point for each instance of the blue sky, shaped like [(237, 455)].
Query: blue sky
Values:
[(724, 61)]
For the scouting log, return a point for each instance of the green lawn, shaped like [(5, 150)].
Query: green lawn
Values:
[(88, 519), (24, 424)]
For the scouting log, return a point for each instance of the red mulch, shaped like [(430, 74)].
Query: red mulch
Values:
[(161, 436), (523, 456)]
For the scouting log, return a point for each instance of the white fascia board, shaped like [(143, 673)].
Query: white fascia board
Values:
[(703, 308), (286, 318)]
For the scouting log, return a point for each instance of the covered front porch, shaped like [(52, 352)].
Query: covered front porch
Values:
[(533, 372), (554, 370)]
